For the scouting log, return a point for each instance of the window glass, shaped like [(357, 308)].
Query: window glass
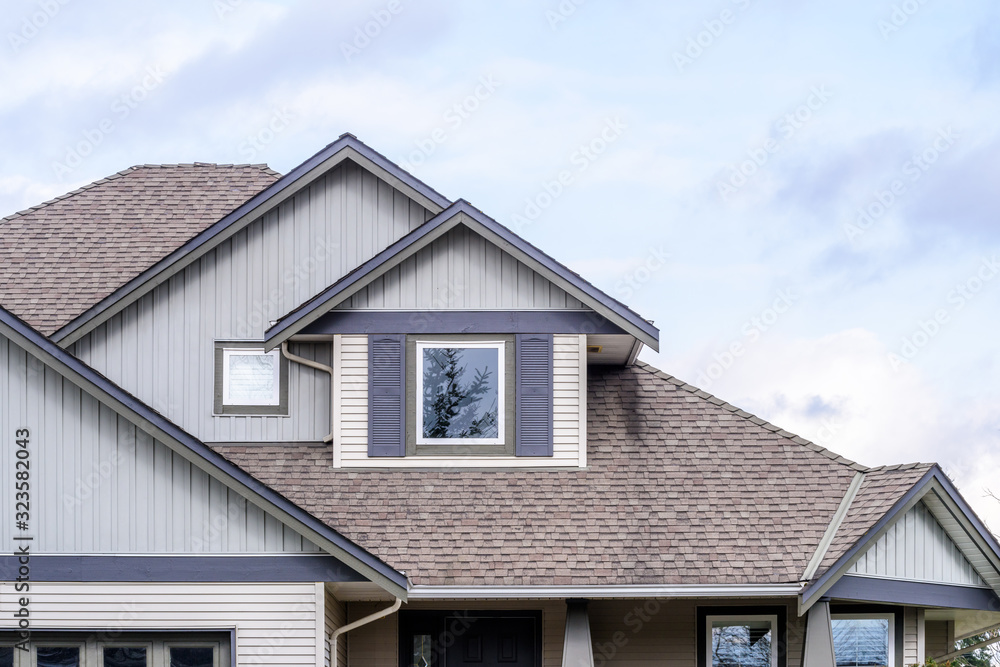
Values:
[(861, 642), (6, 656), (251, 377), (461, 392), (421, 650), (191, 656), (57, 656), (121, 656), (741, 643)]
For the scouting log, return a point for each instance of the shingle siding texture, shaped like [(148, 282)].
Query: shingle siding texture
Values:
[(64, 256), (680, 488)]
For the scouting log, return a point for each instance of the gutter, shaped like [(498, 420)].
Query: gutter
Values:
[(357, 624), (320, 367), (602, 592)]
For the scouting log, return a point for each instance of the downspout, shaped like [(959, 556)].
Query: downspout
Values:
[(320, 367), (357, 624)]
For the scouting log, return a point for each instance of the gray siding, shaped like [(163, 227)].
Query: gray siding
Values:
[(916, 547), (162, 347), (99, 485), (462, 271)]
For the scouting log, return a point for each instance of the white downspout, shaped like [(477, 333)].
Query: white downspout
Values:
[(357, 624), (320, 367)]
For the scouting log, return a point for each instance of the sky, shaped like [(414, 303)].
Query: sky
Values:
[(802, 196)]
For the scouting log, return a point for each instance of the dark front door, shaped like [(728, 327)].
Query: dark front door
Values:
[(470, 639)]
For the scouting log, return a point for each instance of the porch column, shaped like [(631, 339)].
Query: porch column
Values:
[(578, 651), (819, 637)]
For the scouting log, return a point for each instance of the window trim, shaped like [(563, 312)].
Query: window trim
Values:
[(223, 349), (771, 618), (501, 347), (779, 643), (885, 615)]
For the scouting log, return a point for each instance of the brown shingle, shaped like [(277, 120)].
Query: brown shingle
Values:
[(678, 489), (64, 256)]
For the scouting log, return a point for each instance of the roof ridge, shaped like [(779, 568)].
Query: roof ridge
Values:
[(754, 419), (121, 174)]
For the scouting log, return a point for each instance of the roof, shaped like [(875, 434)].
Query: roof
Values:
[(64, 256), (680, 488), (158, 426), (347, 147), (462, 212)]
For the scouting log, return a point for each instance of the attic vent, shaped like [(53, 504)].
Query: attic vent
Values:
[(594, 349)]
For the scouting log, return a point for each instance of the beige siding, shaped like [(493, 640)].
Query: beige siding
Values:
[(162, 348), (916, 547), (351, 433), (913, 640), (939, 638), (102, 486), (335, 617), (275, 623), (462, 271)]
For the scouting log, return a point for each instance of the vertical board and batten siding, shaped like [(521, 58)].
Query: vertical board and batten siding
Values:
[(162, 348), (99, 485), (276, 624), (351, 410), (917, 548), (461, 271)]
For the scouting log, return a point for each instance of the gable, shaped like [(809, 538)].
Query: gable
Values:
[(917, 548), (100, 485), (461, 270)]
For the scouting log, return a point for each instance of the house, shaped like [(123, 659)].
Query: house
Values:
[(335, 418)]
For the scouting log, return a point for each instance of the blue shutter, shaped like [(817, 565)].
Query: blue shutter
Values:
[(534, 395), (386, 395)]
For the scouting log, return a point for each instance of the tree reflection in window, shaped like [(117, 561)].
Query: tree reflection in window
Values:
[(461, 393)]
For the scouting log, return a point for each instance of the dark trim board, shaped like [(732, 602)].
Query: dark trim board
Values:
[(462, 322), (181, 568), (870, 589)]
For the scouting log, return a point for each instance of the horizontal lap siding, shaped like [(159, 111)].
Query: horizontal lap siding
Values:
[(916, 547), (462, 271), (335, 617), (275, 623), (101, 485), (162, 348), (351, 446)]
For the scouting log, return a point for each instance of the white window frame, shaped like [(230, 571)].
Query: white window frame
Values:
[(771, 618), (499, 346), (228, 352), (887, 616)]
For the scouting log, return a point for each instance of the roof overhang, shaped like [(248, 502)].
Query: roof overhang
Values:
[(202, 456), (946, 504), (347, 147), (462, 213), (623, 592)]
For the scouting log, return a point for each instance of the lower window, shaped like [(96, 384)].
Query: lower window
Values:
[(741, 636), (863, 640), (99, 650)]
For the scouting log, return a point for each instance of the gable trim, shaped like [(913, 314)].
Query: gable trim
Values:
[(466, 321), (934, 484), (917, 593), (461, 212), (200, 455), (347, 147)]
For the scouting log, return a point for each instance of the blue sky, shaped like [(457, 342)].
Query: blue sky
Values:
[(803, 196)]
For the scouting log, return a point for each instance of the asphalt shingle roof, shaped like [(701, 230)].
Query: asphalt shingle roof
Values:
[(64, 256), (680, 488)]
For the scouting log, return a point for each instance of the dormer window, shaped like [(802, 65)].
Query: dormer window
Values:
[(461, 393), (250, 381)]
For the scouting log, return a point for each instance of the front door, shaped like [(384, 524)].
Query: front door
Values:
[(470, 639)]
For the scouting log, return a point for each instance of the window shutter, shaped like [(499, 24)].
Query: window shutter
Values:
[(534, 395), (386, 395)]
